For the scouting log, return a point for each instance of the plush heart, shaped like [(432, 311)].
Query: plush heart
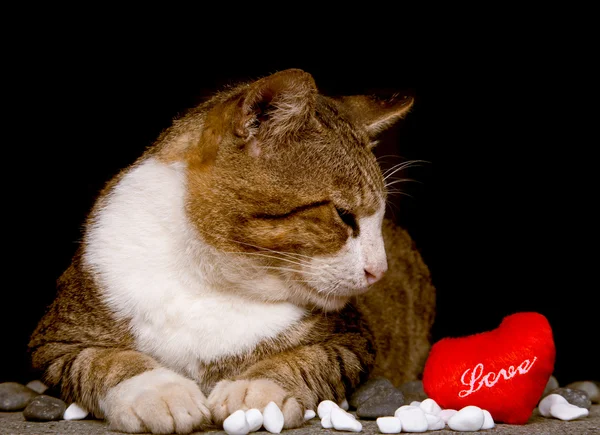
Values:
[(504, 370)]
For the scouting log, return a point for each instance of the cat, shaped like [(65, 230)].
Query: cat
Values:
[(244, 258)]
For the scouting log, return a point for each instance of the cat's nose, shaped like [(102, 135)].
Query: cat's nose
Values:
[(375, 272)]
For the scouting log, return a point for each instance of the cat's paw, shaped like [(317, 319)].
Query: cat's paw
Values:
[(229, 396), (157, 401)]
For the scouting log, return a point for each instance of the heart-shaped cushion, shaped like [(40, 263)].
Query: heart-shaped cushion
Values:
[(504, 370)]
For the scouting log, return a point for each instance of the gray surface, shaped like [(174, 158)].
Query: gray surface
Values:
[(13, 423)]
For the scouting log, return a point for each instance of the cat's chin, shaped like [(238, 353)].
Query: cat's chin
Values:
[(333, 302)]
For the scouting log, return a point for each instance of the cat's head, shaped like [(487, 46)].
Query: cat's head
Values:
[(286, 178)]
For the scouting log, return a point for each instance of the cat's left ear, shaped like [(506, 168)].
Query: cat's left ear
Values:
[(375, 115)]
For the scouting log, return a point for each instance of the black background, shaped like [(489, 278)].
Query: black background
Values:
[(503, 210)]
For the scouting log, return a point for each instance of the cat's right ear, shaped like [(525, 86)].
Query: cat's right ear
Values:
[(275, 106)]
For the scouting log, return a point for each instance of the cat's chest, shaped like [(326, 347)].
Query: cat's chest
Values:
[(186, 333)]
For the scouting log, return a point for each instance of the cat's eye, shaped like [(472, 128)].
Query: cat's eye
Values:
[(348, 218)]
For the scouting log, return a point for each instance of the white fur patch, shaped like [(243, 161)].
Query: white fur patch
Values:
[(344, 272), (175, 289)]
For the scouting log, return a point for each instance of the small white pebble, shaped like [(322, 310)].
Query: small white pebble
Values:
[(389, 425), (430, 406), (345, 405), (273, 418), (589, 387), (468, 419), (236, 423), (342, 420), (326, 421), (445, 414), (547, 402), (325, 407), (75, 412), (413, 419), (488, 421), (415, 403), (403, 407), (37, 386), (566, 411), (309, 414), (434, 422), (255, 419)]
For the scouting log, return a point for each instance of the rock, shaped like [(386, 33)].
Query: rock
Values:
[(389, 425), (412, 418), (326, 421), (45, 408), (566, 411), (272, 418), (382, 404), (434, 422), (552, 384), (309, 414), (373, 386), (413, 391), (236, 423), (15, 396), (590, 387), (445, 414), (75, 412), (344, 421), (37, 386), (430, 406), (255, 419), (344, 405), (548, 402), (575, 397), (488, 420), (325, 408), (468, 419)]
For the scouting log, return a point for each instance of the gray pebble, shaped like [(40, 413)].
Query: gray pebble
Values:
[(413, 391), (373, 387), (15, 396), (590, 387), (37, 386), (381, 405), (552, 384), (45, 408), (574, 397)]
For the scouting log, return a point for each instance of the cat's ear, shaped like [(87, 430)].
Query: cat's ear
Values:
[(374, 114), (276, 105)]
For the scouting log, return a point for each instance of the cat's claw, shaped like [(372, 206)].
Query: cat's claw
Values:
[(158, 401), (230, 396)]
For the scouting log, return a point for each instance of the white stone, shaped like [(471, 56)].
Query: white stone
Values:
[(434, 422), (75, 412), (413, 419), (566, 411), (547, 402), (236, 423), (430, 406), (415, 403), (345, 405), (389, 425), (273, 418), (309, 414), (255, 419), (326, 421), (404, 407), (342, 420), (468, 419), (488, 420), (325, 407), (37, 386), (445, 414)]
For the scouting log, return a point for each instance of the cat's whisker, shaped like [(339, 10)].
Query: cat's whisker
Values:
[(289, 269), (401, 166), (260, 254)]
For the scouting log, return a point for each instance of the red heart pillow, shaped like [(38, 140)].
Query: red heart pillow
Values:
[(504, 370)]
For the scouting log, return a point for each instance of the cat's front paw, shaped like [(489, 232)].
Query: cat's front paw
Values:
[(157, 401), (229, 396)]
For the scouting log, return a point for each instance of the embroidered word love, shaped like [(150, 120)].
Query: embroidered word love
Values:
[(477, 381)]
